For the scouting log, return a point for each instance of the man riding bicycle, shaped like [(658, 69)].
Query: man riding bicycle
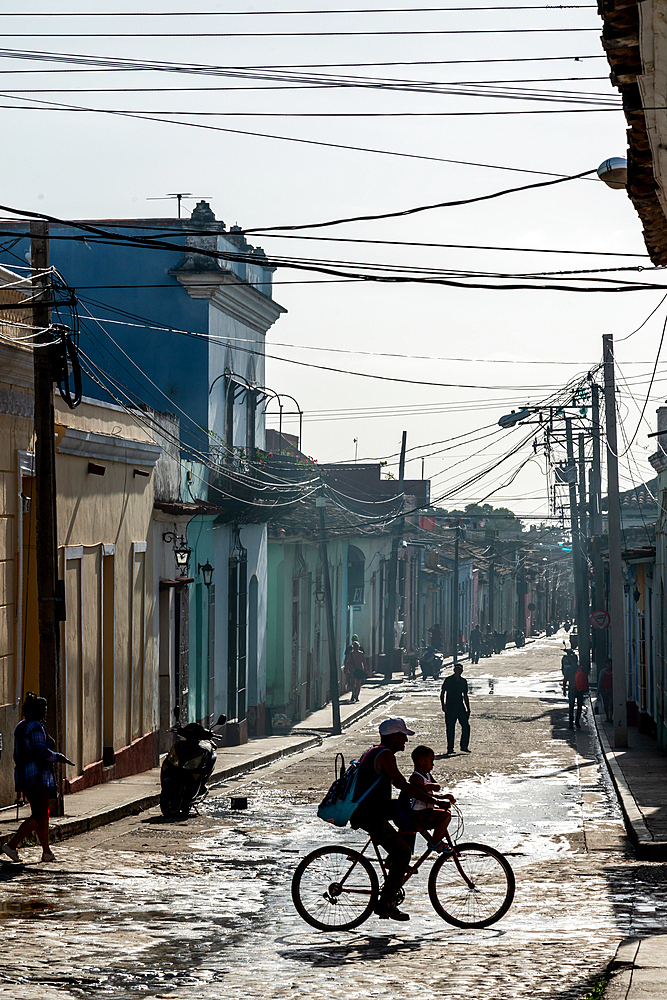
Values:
[(378, 768)]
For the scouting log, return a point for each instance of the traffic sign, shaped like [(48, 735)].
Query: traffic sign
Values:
[(600, 619)]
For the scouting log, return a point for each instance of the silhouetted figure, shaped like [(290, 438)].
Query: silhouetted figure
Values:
[(456, 706)]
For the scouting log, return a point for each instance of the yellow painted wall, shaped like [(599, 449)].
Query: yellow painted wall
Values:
[(113, 509), (106, 642)]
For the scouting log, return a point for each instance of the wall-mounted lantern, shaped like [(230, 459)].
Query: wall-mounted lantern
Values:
[(319, 595), (207, 572), (181, 550)]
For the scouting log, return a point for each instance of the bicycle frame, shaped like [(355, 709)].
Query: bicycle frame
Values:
[(412, 870)]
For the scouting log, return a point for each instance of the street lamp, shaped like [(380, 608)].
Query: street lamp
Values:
[(614, 172), (181, 550), (207, 572)]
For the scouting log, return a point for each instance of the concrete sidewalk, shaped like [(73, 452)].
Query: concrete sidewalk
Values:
[(639, 774), (109, 802), (639, 970)]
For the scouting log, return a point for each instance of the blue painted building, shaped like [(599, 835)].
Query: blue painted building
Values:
[(168, 328)]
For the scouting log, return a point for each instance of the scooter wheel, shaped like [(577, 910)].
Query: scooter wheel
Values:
[(173, 803)]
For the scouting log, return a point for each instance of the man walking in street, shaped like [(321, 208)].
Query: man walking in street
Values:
[(574, 686), (456, 706), (475, 644)]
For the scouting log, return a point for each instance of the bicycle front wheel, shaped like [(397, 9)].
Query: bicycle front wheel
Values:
[(335, 889), (480, 898)]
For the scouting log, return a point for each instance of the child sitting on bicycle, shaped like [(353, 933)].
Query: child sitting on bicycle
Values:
[(414, 815)]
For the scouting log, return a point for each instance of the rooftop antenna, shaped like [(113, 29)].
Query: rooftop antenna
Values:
[(179, 196)]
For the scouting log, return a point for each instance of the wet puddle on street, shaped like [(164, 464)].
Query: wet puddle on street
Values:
[(217, 918)]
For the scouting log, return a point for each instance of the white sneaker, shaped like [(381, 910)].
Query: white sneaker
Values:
[(11, 852)]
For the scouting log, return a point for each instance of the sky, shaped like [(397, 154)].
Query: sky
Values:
[(460, 92)]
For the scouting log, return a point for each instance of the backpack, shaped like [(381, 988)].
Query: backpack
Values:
[(581, 680), (338, 804)]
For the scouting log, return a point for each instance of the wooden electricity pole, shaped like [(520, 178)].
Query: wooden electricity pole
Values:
[(390, 620), (577, 564), (615, 564), (456, 626), (321, 503), (584, 623), (599, 638), (49, 596)]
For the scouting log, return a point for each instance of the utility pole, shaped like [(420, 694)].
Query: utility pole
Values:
[(574, 528), (390, 620), (585, 615), (615, 567), (521, 593), (599, 643), (455, 596), (492, 582), (49, 593), (320, 503)]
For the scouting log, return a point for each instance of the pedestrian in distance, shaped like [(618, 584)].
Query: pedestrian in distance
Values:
[(435, 636), (475, 644), (568, 665), (377, 772), (606, 689), (34, 758), (456, 706), (355, 669), (575, 686)]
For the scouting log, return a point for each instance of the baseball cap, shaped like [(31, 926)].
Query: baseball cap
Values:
[(395, 726)]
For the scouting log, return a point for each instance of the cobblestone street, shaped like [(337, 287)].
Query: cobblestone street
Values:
[(149, 908)]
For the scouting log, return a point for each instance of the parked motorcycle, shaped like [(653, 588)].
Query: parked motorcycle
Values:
[(187, 767), (431, 662), (519, 638)]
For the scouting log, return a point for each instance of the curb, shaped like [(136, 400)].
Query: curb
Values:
[(64, 828), (646, 847), (620, 970), (354, 716)]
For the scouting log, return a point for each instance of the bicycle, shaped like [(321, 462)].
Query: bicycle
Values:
[(335, 888)]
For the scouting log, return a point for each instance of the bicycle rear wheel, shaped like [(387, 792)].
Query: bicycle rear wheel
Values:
[(335, 888), (486, 899)]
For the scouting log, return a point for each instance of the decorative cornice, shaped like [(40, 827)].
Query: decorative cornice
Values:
[(232, 296), (659, 461), (16, 365), (17, 404), (108, 448)]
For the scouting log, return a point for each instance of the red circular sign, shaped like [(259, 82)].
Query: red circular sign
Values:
[(600, 619)]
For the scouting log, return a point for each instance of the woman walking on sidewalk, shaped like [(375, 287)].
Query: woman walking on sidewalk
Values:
[(34, 758), (606, 689), (355, 669)]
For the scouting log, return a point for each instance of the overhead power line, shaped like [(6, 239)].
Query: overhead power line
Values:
[(421, 208), (416, 275), (112, 64), (294, 34), (449, 246), (217, 90), (268, 135), (254, 13)]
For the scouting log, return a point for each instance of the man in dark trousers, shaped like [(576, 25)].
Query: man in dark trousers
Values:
[(475, 644), (456, 706)]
